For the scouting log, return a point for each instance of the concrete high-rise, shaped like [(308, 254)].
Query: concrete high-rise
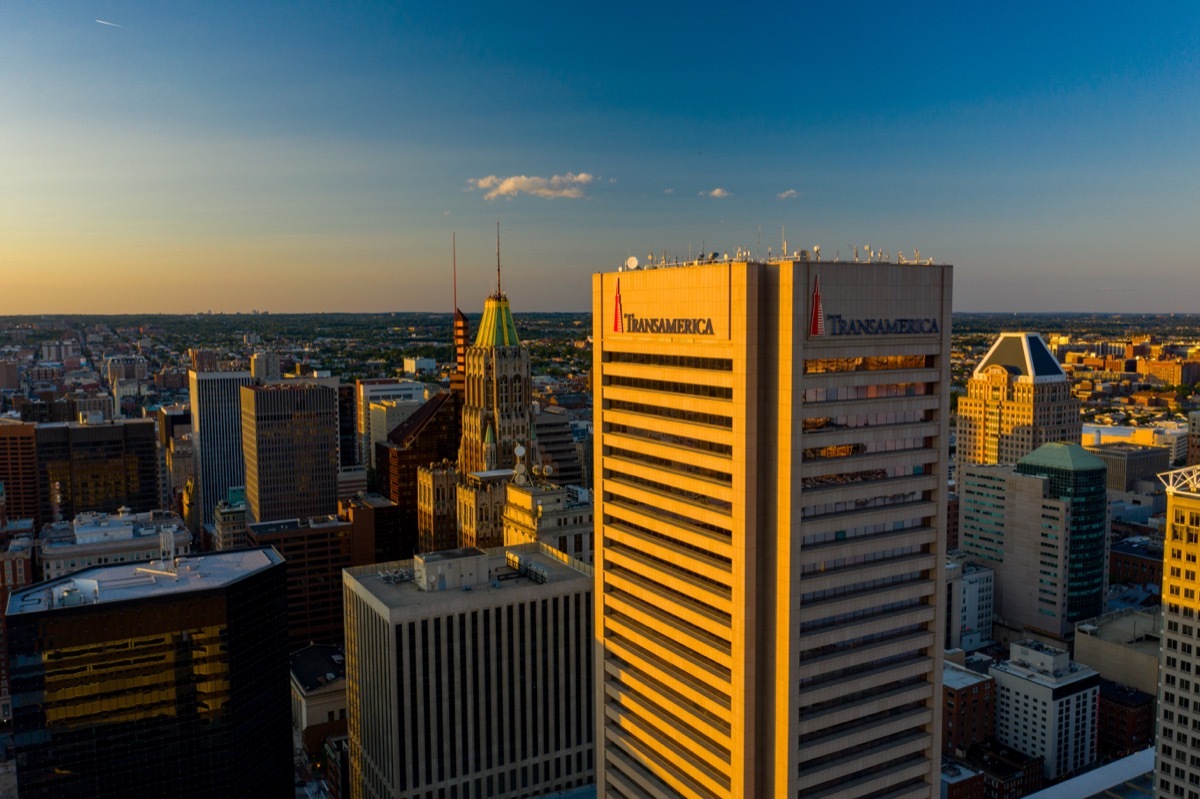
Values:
[(1178, 756), (770, 486), (216, 436), (289, 445), (1043, 526), (469, 673), (1017, 399)]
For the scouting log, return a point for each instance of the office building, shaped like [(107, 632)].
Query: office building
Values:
[(495, 414), (229, 522), (1017, 399), (289, 444), (265, 366), (97, 539), (318, 694), (770, 487), (556, 444), (1007, 773), (969, 712), (429, 436), (469, 673), (375, 390), (1126, 721), (162, 679), (1131, 464), (960, 781), (558, 516), (1042, 525), (1123, 646), (1047, 706), (1178, 756), (97, 466), (216, 435), (437, 510), (970, 591), (315, 550), (18, 470), (377, 529), (1193, 438), (386, 416)]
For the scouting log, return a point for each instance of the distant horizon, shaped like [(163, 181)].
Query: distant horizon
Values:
[(517, 312)]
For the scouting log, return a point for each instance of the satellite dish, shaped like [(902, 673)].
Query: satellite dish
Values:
[(547, 470), (519, 468), (631, 262), (519, 451)]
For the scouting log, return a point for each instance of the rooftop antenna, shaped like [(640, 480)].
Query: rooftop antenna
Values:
[(783, 236), (499, 293), (454, 267)]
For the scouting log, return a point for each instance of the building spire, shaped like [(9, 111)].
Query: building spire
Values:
[(499, 291)]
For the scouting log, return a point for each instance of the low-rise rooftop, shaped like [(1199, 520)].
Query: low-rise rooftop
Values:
[(128, 581)]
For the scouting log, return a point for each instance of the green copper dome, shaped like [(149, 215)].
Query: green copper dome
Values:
[(497, 328)]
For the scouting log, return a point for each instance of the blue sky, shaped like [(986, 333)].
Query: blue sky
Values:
[(300, 156)]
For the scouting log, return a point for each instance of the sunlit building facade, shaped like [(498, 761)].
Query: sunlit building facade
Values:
[(1178, 755), (770, 475), (1017, 399)]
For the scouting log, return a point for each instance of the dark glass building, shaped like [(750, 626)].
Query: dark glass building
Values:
[(168, 678), (100, 467), (1080, 479)]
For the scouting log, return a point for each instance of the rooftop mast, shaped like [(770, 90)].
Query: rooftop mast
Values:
[(499, 292)]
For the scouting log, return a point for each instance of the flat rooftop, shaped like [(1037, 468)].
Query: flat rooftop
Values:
[(391, 584), (129, 581), (957, 677)]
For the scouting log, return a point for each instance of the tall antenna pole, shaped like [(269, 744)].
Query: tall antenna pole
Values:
[(454, 260), (498, 289)]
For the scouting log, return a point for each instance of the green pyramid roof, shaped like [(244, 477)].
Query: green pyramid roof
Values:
[(497, 328), (1064, 456)]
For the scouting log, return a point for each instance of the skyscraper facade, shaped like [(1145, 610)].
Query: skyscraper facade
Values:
[(167, 678), (1017, 399), (770, 498), (216, 435), (289, 445), (1177, 764)]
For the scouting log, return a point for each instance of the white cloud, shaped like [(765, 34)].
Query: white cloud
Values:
[(788, 195), (668, 191), (569, 185), (718, 193)]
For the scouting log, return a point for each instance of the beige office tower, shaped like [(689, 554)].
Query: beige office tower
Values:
[(770, 496), (1017, 399), (1178, 761)]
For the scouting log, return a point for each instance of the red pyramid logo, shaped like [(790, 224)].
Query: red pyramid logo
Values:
[(816, 322), (618, 327)]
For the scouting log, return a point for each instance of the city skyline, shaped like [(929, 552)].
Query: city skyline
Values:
[(292, 158)]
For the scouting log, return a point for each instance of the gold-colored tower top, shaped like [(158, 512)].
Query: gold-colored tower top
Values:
[(497, 328)]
